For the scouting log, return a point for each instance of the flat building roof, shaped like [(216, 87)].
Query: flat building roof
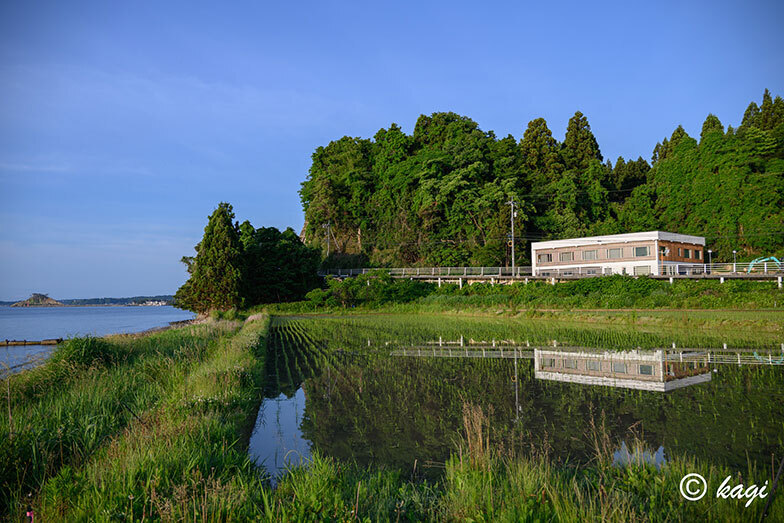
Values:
[(620, 238)]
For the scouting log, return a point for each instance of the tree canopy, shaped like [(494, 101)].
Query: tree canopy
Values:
[(438, 196), (240, 266)]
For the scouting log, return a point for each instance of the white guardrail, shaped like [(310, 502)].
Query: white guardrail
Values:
[(436, 271), (506, 272)]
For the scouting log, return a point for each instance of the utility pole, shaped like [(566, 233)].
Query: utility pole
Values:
[(326, 227), (511, 202)]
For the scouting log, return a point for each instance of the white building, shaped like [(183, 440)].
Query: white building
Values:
[(638, 253)]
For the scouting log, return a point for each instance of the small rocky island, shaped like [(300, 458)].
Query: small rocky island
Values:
[(38, 300)]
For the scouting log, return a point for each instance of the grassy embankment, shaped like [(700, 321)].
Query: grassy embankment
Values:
[(152, 425), (156, 427), (614, 299), (611, 292)]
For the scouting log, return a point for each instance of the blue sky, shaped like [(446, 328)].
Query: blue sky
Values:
[(123, 124)]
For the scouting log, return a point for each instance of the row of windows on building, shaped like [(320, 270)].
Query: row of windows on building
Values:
[(640, 270), (614, 254), (643, 369), (686, 253), (610, 254)]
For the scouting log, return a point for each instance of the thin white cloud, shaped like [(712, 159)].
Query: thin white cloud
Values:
[(35, 168)]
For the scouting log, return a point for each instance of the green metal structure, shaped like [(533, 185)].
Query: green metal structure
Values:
[(758, 261)]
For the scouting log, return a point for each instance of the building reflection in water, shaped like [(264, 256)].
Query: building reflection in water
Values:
[(654, 370)]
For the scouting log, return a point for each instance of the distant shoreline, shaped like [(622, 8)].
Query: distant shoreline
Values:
[(10, 305), (38, 299)]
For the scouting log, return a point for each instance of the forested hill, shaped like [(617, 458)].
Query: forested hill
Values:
[(439, 197)]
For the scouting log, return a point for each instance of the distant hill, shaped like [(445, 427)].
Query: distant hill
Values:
[(42, 300), (38, 300)]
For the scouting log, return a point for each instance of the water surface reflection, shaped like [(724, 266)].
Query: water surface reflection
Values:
[(358, 393)]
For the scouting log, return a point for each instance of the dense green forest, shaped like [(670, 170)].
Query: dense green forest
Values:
[(439, 197), (237, 265)]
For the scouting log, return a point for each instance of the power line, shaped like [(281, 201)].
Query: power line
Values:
[(478, 241)]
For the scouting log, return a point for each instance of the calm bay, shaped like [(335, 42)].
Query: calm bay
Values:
[(38, 323)]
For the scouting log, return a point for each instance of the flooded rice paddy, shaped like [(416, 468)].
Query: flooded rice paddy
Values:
[(390, 391)]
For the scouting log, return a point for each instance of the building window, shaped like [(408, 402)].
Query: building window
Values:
[(646, 370), (642, 270), (687, 253), (589, 255), (641, 251), (680, 252), (548, 362), (566, 256), (544, 258), (570, 364), (592, 271), (698, 254), (593, 365), (619, 368), (614, 253)]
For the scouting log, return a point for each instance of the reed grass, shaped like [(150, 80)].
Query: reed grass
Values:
[(90, 390), (482, 483), (183, 458)]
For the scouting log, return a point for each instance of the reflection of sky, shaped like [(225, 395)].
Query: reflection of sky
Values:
[(16, 358), (623, 456), (277, 442)]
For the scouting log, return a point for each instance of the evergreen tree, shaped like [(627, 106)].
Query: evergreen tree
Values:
[(751, 117), (660, 151), (580, 146), (216, 273), (766, 112), (711, 125), (539, 153), (677, 136)]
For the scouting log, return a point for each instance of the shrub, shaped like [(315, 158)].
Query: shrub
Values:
[(86, 351)]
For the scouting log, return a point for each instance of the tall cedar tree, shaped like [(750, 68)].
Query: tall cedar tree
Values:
[(217, 270)]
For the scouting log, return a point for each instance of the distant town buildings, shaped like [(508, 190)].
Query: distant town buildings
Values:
[(640, 253)]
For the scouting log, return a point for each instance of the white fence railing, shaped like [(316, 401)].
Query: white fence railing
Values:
[(739, 268), (667, 269), (437, 271)]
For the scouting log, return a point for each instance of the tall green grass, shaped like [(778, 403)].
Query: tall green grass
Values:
[(90, 390), (185, 457), (485, 483)]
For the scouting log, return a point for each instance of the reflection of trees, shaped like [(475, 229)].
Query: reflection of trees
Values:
[(366, 405), (395, 410)]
